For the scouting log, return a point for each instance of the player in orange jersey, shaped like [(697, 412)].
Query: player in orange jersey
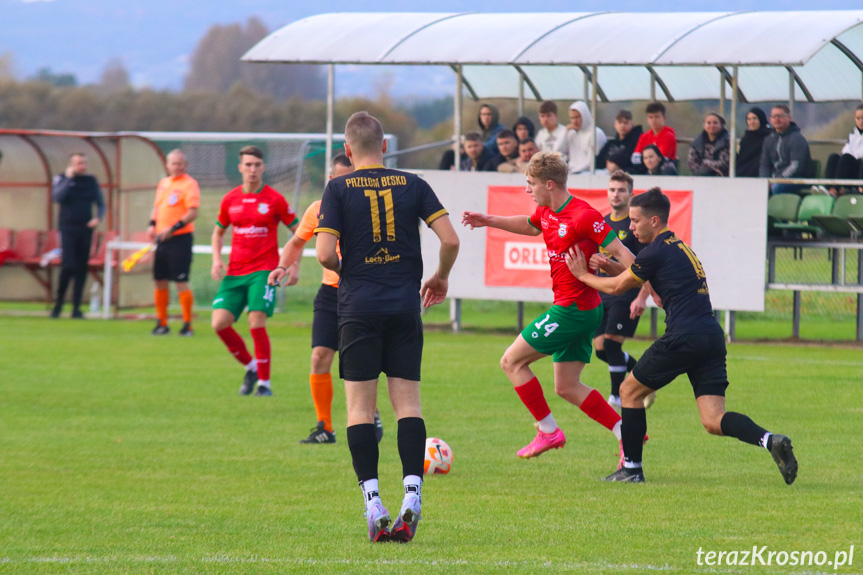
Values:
[(171, 225)]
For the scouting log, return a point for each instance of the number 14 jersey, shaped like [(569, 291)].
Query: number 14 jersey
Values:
[(375, 213)]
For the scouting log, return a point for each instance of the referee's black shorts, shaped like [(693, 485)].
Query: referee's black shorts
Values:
[(699, 356), (371, 344), (325, 321), (173, 259), (615, 318)]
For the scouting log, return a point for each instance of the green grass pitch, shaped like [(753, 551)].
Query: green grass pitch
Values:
[(125, 453)]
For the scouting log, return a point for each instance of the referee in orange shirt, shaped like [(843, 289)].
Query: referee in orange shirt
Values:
[(175, 208)]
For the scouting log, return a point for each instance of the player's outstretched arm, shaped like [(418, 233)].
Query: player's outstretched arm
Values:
[(435, 288), (616, 285), (288, 262), (216, 242), (621, 253), (515, 224)]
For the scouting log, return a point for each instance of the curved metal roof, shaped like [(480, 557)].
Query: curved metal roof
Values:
[(685, 53)]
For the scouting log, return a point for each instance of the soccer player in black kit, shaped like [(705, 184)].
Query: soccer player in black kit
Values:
[(693, 343), (620, 313), (373, 214)]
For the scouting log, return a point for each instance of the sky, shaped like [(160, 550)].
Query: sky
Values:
[(155, 38)]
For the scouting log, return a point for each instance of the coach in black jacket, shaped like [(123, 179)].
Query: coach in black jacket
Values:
[(76, 192)]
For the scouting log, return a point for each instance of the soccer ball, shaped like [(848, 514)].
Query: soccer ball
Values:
[(438, 456)]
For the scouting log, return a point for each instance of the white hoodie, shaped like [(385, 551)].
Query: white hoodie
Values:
[(578, 141), (854, 146)]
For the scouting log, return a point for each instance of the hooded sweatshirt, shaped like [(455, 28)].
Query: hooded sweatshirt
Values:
[(578, 141), (705, 157), (854, 145), (525, 121), (785, 155), (490, 134), (749, 156)]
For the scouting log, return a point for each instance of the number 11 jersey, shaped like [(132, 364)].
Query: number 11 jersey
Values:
[(375, 213)]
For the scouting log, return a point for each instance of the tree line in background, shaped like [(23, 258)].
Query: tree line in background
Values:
[(223, 94)]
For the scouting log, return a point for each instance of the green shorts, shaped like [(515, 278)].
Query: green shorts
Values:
[(565, 333), (237, 292)]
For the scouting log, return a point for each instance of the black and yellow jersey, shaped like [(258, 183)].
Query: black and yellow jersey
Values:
[(375, 213), (676, 274)]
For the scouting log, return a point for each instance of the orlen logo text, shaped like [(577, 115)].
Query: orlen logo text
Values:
[(525, 256)]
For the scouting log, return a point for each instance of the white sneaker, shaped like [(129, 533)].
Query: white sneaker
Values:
[(614, 401)]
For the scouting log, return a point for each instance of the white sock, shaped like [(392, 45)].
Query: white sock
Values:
[(616, 430), (630, 465), (264, 383), (413, 484), (763, 441), (252, 365), (370, 492), (547, 424)]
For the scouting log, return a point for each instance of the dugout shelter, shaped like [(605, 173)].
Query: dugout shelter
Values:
[(737, 57), (124, 164)]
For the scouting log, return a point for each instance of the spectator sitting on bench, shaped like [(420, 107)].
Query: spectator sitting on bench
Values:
[(655, 164), (749, 155), (524, 129), (785, 153), (710, 152), (659, 134), (490, 127), (625, 140), (848, 165), (476, 156)]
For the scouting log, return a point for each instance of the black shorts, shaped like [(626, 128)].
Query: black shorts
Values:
[(615, 319), (173, 259), (325, 321), (371, 344), (699, 356)]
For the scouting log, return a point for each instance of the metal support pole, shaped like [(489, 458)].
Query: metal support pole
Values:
[(732, 325), (331, 104), (459, 79), (520, 315), (860, 296), (732, 162), (791, 91), (721, 94), (835, 266), (520, 93), (654, 322), (652, 86), (593, 129), (771, 264), (795, 321), (455, 314)]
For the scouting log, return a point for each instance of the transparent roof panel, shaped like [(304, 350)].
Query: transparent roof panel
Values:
[(690, 82), (477, 38), (830, 75), (557, 82), (625, 82), (494, 81), (612, 38), (762, 43)]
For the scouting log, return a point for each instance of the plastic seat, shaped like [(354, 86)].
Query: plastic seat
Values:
[(27, 245), (781, 208), (810, 206), (6, 252), (838, 224), (99, 247)]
